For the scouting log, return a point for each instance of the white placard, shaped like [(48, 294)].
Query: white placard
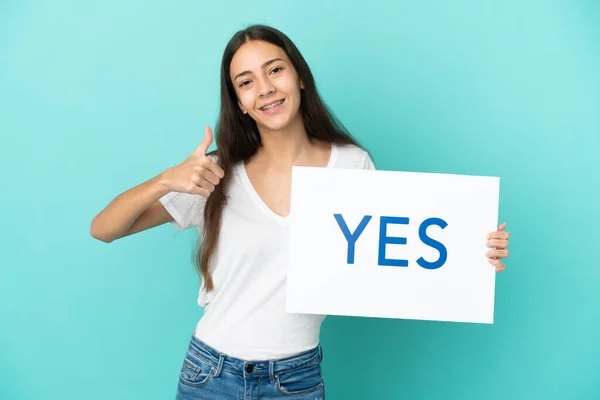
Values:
[(326, 277)]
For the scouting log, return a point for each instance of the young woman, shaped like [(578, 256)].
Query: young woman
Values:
[(246, 346)]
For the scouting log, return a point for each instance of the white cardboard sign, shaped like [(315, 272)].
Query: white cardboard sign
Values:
[(391, 244)]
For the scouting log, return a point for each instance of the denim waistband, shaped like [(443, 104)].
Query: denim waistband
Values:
[(248, 368)]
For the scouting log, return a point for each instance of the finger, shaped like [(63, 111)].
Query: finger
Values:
[(203, 183), (498, 235), (497, 244), (497, 254), (215, 169), (203, 192), (211, 177), (502, 226), (207, 185), (195, 189), (205, 144), (498, 264), (209, 169)]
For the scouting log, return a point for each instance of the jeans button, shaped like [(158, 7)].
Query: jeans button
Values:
[(249, 368)]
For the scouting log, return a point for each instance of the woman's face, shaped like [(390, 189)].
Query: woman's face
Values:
[(266, 83)]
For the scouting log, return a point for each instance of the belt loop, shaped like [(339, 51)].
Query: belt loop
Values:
[(219, 366), (272, 372), (320, 352)]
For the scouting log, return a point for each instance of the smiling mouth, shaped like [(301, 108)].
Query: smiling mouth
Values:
[(272, 105)]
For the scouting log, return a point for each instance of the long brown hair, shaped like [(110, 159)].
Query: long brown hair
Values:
[(238, 138)]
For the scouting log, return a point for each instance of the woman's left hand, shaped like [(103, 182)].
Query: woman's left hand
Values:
[(498, 242)]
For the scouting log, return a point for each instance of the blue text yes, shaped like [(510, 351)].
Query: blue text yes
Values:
[(384, 239)]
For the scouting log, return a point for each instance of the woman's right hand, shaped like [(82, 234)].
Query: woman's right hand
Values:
[(198, 174)]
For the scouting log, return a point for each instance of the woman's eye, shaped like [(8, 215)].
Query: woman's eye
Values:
[(244, 83), (276, 69)]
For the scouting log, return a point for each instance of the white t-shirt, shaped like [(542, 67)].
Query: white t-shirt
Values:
[(244, 314)]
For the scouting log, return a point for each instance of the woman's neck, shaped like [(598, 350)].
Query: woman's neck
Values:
[(284, 148)]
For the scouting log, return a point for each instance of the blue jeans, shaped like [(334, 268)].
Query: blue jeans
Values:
[(208, 374)]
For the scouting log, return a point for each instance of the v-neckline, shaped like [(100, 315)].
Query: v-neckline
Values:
[(259, 200)]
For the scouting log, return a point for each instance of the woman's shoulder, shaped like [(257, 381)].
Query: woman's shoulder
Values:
[(351, 156)]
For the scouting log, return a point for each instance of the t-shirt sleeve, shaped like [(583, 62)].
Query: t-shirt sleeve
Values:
[(186, 209), (368, 163)]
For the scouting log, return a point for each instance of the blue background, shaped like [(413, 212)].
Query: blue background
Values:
[(99, 96)]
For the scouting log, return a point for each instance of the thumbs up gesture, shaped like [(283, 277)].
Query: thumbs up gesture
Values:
[(198, 174)]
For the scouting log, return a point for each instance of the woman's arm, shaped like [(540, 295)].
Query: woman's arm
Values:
[(133, 211), (140, 208)]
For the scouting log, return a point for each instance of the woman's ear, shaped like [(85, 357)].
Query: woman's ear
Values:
[(301, 85)]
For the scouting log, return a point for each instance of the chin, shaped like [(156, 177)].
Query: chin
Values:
[(275, 125)]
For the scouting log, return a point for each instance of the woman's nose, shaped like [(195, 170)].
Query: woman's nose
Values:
[(266, 88)]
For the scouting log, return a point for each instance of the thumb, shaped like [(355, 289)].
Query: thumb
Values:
[(205, 144)]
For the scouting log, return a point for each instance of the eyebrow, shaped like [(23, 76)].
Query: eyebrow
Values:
[(264, 65)]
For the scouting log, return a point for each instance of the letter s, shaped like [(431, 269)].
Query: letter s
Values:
[(432, 243)]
